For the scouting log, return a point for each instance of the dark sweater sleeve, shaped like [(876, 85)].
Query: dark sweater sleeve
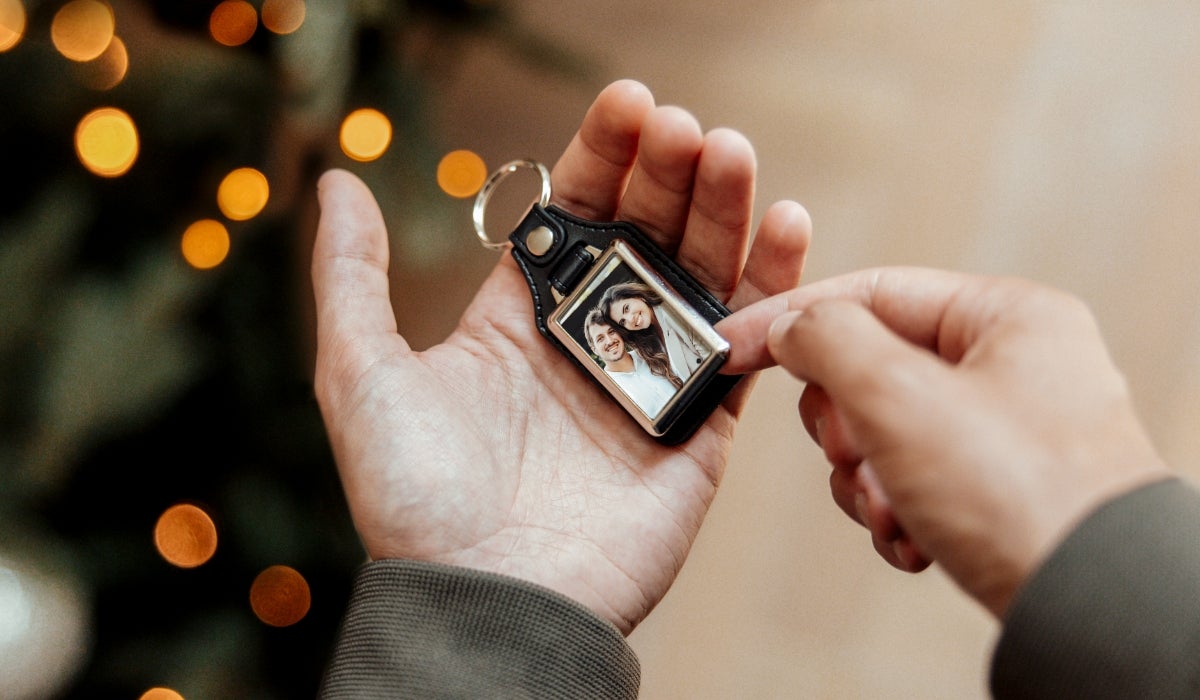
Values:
[(421, 630), (1115, 611)]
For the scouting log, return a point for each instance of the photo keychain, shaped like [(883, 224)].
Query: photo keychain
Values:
[(621, 309)]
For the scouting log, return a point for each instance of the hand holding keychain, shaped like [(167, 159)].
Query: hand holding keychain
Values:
[(622, 310)]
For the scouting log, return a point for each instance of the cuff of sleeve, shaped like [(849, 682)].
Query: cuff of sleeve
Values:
[(419, 629), (1113, 613)]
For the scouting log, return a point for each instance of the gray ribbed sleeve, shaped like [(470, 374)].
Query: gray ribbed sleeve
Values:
[(421, 630), (1115, 611)]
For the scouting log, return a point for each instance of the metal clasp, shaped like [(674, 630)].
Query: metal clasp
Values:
[(492, 183)]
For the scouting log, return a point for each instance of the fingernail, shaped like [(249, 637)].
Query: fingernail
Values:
[(860, 506), (819, 425), (779, 329)]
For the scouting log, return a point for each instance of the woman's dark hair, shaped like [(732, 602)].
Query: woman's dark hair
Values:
[(649, 341)]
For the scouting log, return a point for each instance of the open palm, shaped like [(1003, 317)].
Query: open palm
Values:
[(491, 450)]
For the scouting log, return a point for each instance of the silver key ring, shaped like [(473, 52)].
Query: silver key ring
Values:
[(492, 183)]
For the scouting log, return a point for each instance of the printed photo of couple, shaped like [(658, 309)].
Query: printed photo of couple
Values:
[(640, 342)]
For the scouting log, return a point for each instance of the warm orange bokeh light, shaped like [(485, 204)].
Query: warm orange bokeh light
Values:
[(283, 16), (12, 23), (365, 134), (108, 70), (233, 22), (82, 29), (461, 173), (106, 142), (279, 596), (185, 536), (160, 694), (205, 244), (243, 194)]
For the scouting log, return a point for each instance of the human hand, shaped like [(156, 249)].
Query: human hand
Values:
[(986, 412), (491, 451)]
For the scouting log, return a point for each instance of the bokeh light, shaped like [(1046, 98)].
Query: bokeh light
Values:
[(108, 70), (243, 194), (82, 29), (283, 16), (160, 694), (12, 23), (205, 244), (185, 536), (365, 134), (461, 173), (279, 596), (233, 22), (106, 142)]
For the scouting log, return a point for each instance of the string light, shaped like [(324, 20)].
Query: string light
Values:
[(185, 536), (160, 694), (107, 70), (233, 22), (243, 194), (461, 173), (280, 596), (82, 29), (106, 142), (12, 23), (365, 134), (283, 16), (205, 244)]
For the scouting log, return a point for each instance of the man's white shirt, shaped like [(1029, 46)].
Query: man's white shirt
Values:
[(648, 390)]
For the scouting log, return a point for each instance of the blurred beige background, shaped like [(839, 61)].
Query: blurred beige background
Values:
[(1057, 141)]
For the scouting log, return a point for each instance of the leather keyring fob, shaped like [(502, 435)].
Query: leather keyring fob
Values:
[(579, 272)]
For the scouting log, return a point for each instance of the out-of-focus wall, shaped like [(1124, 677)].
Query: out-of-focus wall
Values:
[(1056, 141)]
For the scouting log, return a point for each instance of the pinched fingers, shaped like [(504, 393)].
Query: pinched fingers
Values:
[(853, 484)]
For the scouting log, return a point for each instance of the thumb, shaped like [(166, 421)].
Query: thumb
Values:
[(881, 383), (350, 263)]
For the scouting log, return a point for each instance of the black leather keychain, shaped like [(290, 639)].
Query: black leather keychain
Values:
[(622, 310)]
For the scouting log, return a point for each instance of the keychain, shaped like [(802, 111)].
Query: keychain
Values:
[(622, 310)]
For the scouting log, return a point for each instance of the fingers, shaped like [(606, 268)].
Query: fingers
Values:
[(876, 514), (691, 193), (719, 222), (842, 347), (853, 484), (350, 262), (660, 186), (776, 258), (913, 302), (590, 177), (828, 428)]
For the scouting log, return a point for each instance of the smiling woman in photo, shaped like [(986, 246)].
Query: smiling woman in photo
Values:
[(650, 327)]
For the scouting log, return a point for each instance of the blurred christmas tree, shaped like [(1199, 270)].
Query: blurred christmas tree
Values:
[(131, 380)]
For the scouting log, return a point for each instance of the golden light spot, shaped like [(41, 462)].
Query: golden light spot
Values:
[(233, 22), (12, 23), (461, 173), (82, 29), (243, 194), (108, 70), (283, 16), (205, 244), (185, 536), (279, 596), (366, 134), (160, 694), (106, 142)]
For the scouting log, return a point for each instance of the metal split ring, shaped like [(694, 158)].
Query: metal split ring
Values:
[(492, 183)]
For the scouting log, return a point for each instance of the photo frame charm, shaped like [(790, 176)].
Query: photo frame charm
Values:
[(622, 310)]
